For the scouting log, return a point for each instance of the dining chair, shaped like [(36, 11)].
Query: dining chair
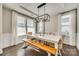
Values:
[(30, 33), (60, 45)]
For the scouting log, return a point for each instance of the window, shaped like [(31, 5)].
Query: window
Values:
[(68, 27), (40, 26), (21, 25), (30, 25)]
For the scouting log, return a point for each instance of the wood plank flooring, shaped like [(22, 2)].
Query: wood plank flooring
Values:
[(30, 51)]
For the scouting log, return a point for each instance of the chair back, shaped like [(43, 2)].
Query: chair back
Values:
[(30, 33)]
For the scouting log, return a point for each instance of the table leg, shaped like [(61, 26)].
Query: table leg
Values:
[(56, 45), (56, 53)]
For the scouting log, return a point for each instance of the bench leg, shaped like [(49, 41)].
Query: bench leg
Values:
[(25, 46), (49, 54)]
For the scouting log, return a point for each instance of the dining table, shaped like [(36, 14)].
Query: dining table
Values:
[(49, 38)]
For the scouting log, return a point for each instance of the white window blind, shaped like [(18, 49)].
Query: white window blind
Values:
[(30, 26), (21, 25)]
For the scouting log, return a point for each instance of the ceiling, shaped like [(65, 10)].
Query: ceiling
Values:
[(51, 8)]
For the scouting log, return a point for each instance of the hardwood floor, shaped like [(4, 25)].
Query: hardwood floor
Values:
[(18, 50), (70, 51)]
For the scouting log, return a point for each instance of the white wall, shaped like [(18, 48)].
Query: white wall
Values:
[(7, 27), (52, 25), (7, 20)]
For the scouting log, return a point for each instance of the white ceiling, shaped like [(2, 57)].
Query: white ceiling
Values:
[(51, 8)]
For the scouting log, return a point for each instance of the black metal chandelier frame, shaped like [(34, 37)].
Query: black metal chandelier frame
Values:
[(45, 17)]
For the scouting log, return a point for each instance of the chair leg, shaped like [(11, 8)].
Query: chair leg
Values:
[(63, 50), (59, 53)]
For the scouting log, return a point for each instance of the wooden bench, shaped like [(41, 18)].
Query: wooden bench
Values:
[(48, 49)]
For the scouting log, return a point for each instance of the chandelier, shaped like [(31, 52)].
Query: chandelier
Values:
[(45, 17)]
